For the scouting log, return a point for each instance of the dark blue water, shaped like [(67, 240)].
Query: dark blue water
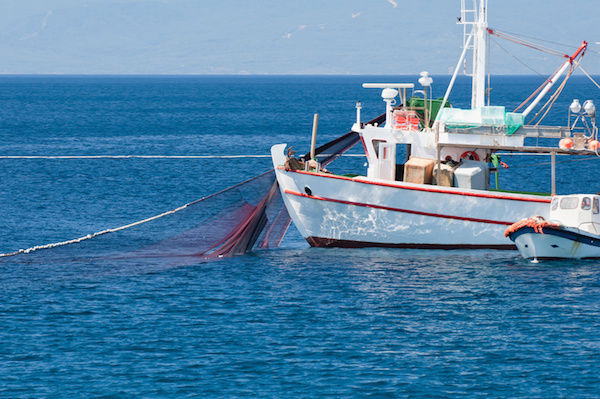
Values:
[(291, 322)]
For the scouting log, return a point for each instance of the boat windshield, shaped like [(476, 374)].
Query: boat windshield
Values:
[(586, 203), (569, 203)]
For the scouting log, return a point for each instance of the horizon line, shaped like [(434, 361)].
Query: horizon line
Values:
[(238, 74)]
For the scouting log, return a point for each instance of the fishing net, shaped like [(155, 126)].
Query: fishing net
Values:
[(231, 222), (234, 221), (225, 224), (493, 116)]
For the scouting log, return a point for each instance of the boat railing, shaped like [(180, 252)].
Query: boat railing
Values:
[(557, 132)]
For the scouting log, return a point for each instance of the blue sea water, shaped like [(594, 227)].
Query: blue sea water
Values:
[(289, 322)]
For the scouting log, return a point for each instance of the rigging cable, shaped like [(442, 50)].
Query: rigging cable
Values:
[(518, 60), (526, 43), (588, 75), (548, 50), (552, 99), (574, 64), (540, 39), (536, 91)]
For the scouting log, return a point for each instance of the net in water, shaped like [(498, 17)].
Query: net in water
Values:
[(232, 222)]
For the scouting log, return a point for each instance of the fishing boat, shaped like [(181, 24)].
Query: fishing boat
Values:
[(441, 196), (572, 230)]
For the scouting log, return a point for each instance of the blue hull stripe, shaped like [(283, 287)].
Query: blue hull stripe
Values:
[(569, 235)]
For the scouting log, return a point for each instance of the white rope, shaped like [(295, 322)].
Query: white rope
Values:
[(146, 156), (127, 226), (131, 156), (90, 236), (588, 75)]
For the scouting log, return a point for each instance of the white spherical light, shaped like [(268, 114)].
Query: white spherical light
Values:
[(575, 106), (589, 107)]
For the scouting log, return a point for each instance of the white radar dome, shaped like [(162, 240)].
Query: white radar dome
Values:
[(388, 94), (425, 80)]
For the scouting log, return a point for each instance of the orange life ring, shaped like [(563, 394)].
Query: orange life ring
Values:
[(472, 155)]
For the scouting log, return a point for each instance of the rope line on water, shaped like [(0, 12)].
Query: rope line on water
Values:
[(131, 156), (126, 226), (146, 156)]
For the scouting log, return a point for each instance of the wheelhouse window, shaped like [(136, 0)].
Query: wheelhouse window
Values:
[(596, 207), (555, 204), (586, 203), (376, 144), (569, 203)]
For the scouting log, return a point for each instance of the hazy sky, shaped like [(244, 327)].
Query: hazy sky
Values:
[(276, 37)]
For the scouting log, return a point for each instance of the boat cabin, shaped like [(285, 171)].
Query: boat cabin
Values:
[(581, 211), (444, 145)]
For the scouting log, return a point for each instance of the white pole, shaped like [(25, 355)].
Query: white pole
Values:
[(426, 110), (479, 57), (438, 151), (449, 89), (313, 141), (553, 171), (548, 86)]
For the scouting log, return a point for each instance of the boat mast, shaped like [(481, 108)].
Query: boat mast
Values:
[(569, 62), (474, 21)]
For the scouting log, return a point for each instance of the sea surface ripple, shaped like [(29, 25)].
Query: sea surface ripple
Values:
[(288, 322)]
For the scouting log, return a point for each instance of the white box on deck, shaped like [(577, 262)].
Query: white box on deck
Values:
[(472, 174)]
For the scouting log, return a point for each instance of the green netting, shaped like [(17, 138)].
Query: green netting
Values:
[(513, 122), (485, 116), (434, 107)]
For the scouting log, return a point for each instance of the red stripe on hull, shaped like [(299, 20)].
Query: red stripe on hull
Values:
[(427, 189), (436, 215), (329, 242)]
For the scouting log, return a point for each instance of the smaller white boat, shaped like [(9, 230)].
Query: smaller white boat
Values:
[(571, 231)]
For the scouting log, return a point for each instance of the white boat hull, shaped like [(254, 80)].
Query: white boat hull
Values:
[(340, 211), (556, 243)]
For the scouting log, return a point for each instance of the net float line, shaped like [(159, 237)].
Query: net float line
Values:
[(150, 156), (129, 225)]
